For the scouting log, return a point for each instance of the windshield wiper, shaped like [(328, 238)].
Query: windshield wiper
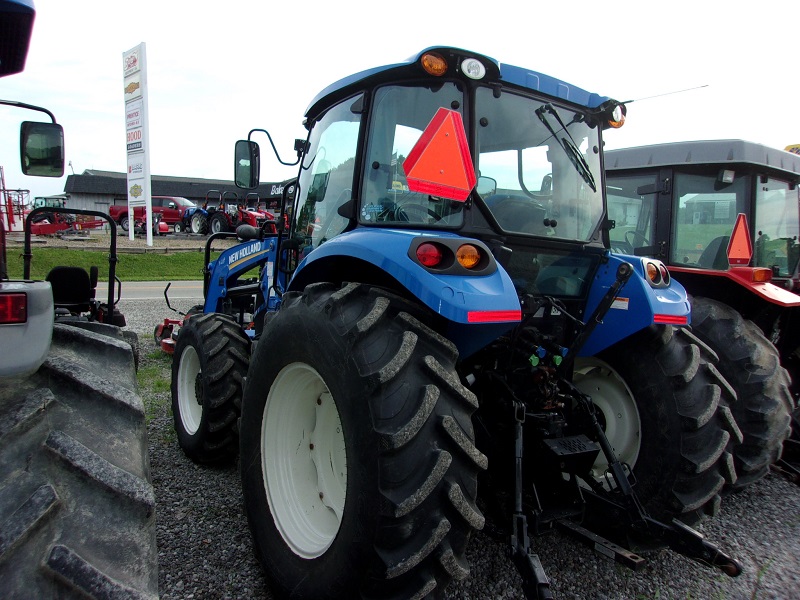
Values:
[(567, 144)]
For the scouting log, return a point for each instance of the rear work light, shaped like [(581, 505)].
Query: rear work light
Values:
[(13, 308)]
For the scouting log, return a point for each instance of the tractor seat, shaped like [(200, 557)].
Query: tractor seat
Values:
[(73, 288), (715, 255)]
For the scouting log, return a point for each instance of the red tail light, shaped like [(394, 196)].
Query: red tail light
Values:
[(13, 308), (429, 255)]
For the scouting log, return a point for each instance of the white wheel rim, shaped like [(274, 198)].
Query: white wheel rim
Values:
[(303, 460), (191, 412), (614, 400)]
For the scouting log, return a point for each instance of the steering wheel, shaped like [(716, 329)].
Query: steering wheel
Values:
[(415, 213), (636, 236)]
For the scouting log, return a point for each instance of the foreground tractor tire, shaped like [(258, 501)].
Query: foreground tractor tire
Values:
[(665, 411), (208, 368), (77, 509), (752, 365), (357, 459), (125, 223)]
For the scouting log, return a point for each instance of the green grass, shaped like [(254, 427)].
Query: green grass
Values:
[(131, 267), (154, 380)]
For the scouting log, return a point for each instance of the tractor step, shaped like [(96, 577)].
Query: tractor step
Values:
[(575, 453)]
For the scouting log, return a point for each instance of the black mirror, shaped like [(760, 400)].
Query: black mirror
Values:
[(41, 149), (247, 165), (486, 186)]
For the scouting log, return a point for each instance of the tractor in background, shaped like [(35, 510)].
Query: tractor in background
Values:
[(427, 349), (724, 215)]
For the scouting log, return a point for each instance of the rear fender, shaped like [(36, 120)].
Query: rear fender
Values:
[(744, 276), (478, 308), (637, 306)]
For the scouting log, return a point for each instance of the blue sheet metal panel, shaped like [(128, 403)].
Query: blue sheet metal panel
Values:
[(636, 307)]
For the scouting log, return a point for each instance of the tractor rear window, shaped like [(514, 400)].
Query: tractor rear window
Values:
[(703, 219), (776, 245), (400, 115)]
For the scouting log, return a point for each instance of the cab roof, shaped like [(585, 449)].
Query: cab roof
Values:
[(496, 71), (702, 152)]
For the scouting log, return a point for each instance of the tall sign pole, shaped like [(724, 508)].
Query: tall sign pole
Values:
[(134, 69)]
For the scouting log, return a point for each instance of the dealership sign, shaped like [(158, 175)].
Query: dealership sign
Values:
[(134, 73)]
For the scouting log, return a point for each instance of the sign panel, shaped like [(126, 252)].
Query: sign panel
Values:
[(134, 72), (440, 162)]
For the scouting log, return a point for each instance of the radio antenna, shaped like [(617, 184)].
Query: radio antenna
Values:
[(667, 94)]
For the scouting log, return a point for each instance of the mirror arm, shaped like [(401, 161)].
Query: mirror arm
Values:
[(274, 149), (29, 107)]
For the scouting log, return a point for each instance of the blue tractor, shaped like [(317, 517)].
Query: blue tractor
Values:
[(442, 338)]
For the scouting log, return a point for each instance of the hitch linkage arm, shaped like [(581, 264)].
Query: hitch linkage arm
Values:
[(535, 583), (679, 537)]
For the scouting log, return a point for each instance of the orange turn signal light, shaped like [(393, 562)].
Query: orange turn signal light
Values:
[(468, 256), (653, 274), (434, 64), (762, 275), (617, 118)]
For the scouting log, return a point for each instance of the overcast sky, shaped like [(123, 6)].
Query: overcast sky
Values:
[(218, 69)]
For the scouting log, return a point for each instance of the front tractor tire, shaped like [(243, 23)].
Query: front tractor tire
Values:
[(358, 463), (124, 223), (752, 365), (664, 408), (208, 368)]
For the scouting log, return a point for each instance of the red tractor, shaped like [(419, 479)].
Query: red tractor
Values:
[(724, 216), (232, 212)]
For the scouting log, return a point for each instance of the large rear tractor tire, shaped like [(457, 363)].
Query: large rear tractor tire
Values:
[(358, 464), (752, 365), (664, 408), (218, 223), (77, 509), (208, 368)]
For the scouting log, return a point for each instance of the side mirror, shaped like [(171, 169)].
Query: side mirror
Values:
[(41, 149), (247, 164), (486, 186)]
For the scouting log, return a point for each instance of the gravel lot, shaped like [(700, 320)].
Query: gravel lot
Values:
[(205, 549)]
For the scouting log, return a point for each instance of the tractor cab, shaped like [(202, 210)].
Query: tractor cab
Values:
[(453, 143)]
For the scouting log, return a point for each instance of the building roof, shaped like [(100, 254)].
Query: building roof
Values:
[(114, 184)]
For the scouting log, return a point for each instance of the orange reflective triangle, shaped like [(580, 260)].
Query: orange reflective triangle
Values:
[(740, 247), (440, 162)]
